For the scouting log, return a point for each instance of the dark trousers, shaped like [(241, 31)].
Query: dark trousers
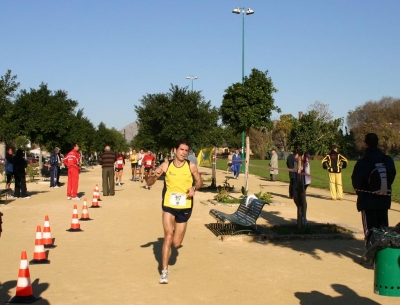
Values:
[(376, 218), (20, 186), (108, 181), (58, 175), (53, 175), (292, 187)]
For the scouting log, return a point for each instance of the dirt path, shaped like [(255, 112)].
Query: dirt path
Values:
[(115, 260)]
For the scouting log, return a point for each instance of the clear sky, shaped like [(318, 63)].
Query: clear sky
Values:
[(109, 53)]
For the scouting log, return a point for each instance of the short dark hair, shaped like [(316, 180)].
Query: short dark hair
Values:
[(333, 147), (182, 141), (371, 139)]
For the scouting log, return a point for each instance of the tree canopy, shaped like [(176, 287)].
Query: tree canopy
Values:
[(381, 117), (180, 113)]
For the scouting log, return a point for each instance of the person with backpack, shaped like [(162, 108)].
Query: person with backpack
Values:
[(334, 163), (372, 178)]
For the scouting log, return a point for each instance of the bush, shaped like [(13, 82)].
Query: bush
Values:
[(31, 172)]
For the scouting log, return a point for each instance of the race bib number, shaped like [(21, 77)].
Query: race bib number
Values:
[(177, 199), (120, 162), (148, 162)]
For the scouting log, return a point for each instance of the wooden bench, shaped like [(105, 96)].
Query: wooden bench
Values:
[(243, 218)]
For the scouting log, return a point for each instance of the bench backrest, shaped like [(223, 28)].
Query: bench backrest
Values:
[(252, 211)]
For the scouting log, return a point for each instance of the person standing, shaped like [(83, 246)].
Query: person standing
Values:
[(191, 157), (19, 164), (334, 163), (107, 160), (229, 162), (134, 164), (273, 165), (119, 168), (54, 168), (148, 163), (373, 206), (9, 169), (291, 163), (140, 164), (73, 160), (177, 199), (236, 163)]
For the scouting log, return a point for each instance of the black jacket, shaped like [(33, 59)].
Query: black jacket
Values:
[(19, 166), (291, 162), (359, 178)]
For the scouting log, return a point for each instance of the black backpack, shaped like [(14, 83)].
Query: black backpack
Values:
[(380, 178)]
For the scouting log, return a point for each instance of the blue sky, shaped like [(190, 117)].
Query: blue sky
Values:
[(108, 54)]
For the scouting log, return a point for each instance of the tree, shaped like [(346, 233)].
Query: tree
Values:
[(261, 142), (43, 116), (8, 87), (281, 131), (381, 117), (179, 114), (109, 137), (324, 113), (311, 134), (249, 105)]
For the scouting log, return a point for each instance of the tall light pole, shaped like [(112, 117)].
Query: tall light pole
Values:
[(244, 11), (192, 77)]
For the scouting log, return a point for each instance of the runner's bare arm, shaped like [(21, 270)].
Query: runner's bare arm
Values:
[(196, 175), (157, 173)]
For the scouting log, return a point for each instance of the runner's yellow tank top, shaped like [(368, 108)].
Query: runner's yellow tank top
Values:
[(177, 181)]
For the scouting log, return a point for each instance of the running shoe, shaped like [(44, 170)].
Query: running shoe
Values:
[(164, 277), (69, 198), (8, 196), (26, 197), (56, 187), (76, 198)]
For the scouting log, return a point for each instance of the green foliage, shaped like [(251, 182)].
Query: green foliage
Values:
[(31, 172), (223, 192), (8, 87), (266, 197), (111, 137), (313, 135), (249, 104), (164, 118)]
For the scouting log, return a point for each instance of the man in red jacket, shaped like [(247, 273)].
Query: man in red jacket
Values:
[(73, 160)]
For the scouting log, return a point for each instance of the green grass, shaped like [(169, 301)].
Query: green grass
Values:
[(319, 175)]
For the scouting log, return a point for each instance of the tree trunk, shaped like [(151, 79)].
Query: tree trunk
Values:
[(214, 167), (246, 186)]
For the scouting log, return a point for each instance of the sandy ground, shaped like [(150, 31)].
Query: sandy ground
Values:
[(116, 259)]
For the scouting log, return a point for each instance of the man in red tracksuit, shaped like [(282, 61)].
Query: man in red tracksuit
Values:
[(73, 160)]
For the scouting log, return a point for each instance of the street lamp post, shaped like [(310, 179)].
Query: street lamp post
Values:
[(192, 77), (244, 11)]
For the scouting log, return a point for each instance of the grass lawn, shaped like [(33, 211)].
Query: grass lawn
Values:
[(319, 175)]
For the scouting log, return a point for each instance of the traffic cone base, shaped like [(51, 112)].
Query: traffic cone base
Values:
[(24, 300), (74, 230), (85, 219), (39, 261)]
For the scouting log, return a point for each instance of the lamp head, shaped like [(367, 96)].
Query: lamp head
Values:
[(187, 77), (249, 11), (195, 77), (236, 11)]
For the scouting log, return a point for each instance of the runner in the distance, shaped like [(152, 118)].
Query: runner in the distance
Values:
[(134, 164), (140, 165), (148, 163), (177, 202)]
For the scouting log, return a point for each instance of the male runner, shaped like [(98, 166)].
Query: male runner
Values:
[(177, 202), (140, 165), (148, 163)]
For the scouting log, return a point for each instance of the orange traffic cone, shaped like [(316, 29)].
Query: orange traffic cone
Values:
[(95, 204), (24, 292), (48, 242), (97, 192), (75, 226), (39, 256), (85, 214)]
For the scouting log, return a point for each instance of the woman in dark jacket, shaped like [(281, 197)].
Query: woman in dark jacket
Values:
[(19, 175)]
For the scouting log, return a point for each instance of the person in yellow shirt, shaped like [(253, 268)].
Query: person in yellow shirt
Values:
[(182, 179), (134, 164)]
